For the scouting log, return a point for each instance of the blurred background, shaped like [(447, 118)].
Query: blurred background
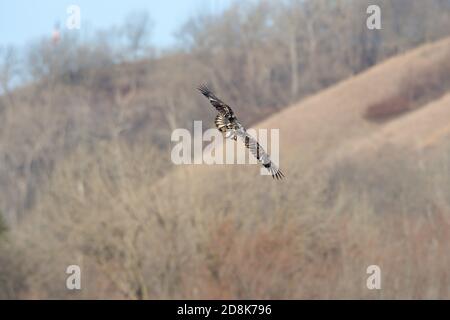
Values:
[(86, 116)]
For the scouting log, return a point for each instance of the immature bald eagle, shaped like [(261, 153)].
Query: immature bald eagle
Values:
[(226, 122)]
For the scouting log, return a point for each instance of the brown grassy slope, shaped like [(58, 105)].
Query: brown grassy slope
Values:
[(421, 129), (319, 124)]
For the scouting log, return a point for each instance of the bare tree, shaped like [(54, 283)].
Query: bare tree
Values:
[(8, 69), (137, 29)]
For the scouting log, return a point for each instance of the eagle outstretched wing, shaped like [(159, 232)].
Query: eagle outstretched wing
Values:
[(226, 122), (260, 154), (220, 106)]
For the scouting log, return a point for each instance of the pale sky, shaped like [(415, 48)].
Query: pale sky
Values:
[(25, 20)]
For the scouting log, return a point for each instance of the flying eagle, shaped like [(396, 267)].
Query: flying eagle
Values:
[(227, 123)]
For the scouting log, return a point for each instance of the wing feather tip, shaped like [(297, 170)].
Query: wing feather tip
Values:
[(278, 175), (204, 89)]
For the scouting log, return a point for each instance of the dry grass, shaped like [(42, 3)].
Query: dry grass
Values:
[(388, 108), (418, 87)]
